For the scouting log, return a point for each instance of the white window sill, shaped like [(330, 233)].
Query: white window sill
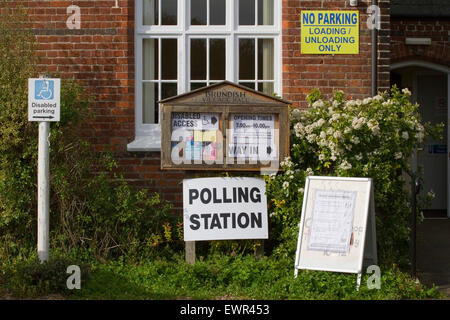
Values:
[(145, 143)]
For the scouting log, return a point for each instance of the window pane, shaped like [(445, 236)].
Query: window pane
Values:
[(168, 90), (169, 12), (217, 12), (246, 12), (198, 59), (197, 85), (169, 59), (265, 12), (150, 9), (265, 59), (266, 87), (251, 85), (198, 12), (217, 59), (150, 59), (149, 99), (246, 58)]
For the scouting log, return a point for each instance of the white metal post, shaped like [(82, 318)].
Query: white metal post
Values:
[(43, 191)]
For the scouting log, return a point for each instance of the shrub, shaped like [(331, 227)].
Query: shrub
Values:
[(373, 138), (91, 206), (30, 277)]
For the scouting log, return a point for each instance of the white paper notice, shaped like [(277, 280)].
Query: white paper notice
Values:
[(332, 221), (252, 137)]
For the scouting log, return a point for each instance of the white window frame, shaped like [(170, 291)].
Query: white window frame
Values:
[(148, 136)]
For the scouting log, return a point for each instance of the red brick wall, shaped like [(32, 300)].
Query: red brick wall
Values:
[(350, 73), (100, 55), (438, 30)]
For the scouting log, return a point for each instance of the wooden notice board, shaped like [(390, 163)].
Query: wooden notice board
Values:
[(337, 228), (224, 126)]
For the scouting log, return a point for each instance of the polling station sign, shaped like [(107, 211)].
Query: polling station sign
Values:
[(224, 209), (44, 99), (329, 32)]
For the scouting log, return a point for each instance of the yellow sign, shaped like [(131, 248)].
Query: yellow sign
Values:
[(329, 32)]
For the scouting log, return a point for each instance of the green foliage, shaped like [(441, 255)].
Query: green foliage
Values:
[(30, 278), (373, 138), (239, 277)]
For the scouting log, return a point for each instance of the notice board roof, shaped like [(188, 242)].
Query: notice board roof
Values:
[(224, 93)]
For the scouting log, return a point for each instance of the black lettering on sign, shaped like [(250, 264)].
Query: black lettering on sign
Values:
[(211, 221), (194, 221), (216, 195), (193, 194)]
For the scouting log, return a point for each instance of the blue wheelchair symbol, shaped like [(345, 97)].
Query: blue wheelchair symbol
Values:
[(44, 90)]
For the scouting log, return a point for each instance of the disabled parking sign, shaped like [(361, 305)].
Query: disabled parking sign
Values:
[(44, 99)]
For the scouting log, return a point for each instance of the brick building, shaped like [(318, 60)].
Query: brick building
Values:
[(132, 53)]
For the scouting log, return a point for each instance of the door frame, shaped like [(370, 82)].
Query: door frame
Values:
[(445, 70)]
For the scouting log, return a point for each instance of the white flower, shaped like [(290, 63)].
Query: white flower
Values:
[(345, 165), (405, 135), (431, 194), (398, 155), (355, 140), (406, 91), (320, 122), (301, 190), (356, 123), (318, 104), (358, 156), (376, 130), (299, 129), (311, 137), (322, 157), (420, 136), (285, 184), (287, 162), (350, 103), (309, 172), (378, 97), (337, 134), (367, 100), (296, 113), (335, 117)]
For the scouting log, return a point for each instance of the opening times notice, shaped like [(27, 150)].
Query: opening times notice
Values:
[(252, 137)]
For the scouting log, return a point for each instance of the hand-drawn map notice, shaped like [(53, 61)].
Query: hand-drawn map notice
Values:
[(332, 221), (252, 137)]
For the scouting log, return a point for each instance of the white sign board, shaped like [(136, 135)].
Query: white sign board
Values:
[(44, 99), (224, 209), (337, 228), (252, 137)]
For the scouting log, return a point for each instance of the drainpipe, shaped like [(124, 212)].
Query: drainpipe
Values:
[(374, 56)]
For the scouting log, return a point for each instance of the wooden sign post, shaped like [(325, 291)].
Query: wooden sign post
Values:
[(223, 127), (337, 228)]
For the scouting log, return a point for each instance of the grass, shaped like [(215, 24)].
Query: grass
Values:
[(216, 277), (240, 277)]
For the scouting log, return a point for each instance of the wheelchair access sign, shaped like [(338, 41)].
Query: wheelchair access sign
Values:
[(44, 99)]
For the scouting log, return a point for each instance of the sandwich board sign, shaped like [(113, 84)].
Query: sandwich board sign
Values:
[(224, 209), (44, 99), (337, 228)]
